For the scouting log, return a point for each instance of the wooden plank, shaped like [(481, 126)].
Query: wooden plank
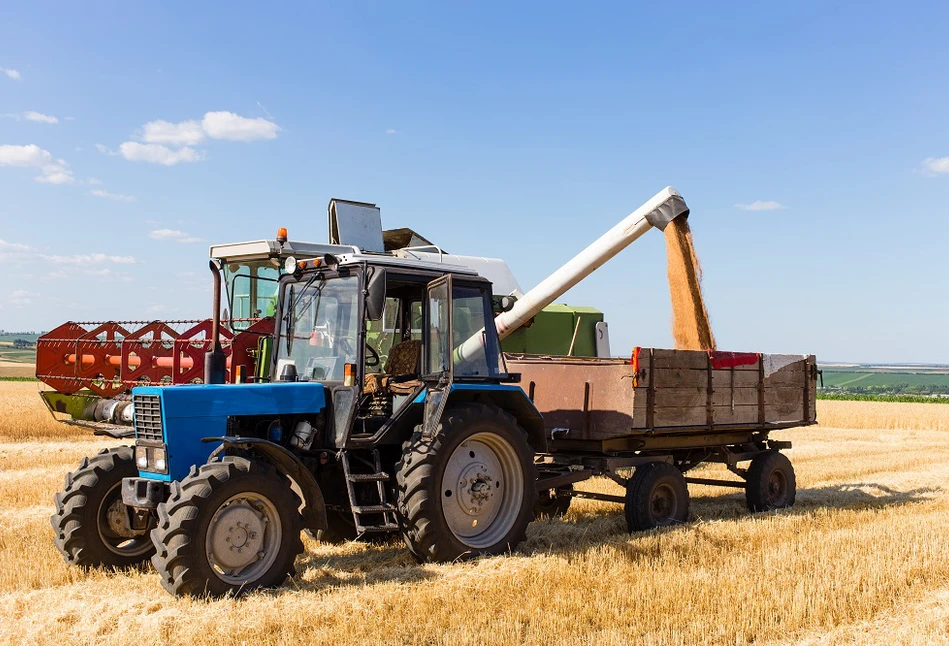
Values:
[(680, 378), (742, 379), (680, 416), (747, 414), (790, 413), (695, 359), (786, 377), (784, 403), (684, 397), (742, 397)]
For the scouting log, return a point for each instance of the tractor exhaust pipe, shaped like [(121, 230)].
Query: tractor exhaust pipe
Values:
[(661, 209), (215, 361)]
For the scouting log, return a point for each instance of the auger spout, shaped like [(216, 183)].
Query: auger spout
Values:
[(658, 211)]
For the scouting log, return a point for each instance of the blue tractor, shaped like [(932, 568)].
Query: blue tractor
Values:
[(365, 420)]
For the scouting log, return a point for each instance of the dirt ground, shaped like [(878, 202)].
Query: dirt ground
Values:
[(862, 558)]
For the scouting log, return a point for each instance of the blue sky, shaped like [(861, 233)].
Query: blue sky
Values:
[(516, 133)]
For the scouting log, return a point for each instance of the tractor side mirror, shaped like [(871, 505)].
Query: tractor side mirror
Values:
[(376, 294)]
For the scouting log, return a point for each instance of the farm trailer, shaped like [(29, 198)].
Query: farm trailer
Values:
[(421, 432)]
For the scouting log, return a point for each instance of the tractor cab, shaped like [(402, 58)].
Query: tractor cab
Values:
[(377, 333)]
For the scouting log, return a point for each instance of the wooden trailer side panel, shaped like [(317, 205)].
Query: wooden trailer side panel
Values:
[(661, 391)]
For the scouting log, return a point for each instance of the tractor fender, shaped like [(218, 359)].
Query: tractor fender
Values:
[(512, 400), (314, 508)]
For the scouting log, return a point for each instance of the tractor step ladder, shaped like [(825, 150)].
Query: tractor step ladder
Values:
[(383, 507)]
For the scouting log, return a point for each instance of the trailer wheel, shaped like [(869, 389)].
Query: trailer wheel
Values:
[(228, 527), (551, 503), (656, 496), (469, 489), (770, 482), (91, 523)]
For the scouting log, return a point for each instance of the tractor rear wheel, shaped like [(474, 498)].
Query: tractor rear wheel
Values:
[(91, 524), (229, 527), (469, 489), (656, 495), (770, 482)]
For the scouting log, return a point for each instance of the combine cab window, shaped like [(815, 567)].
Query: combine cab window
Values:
[(251, 290)]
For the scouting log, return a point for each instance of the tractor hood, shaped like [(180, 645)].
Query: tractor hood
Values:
[(180, 416)]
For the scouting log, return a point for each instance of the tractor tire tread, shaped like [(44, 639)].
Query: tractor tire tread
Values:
[(417, 507), (178, 519), (71, 509)]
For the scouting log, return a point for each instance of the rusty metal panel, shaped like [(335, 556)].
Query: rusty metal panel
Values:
[(580, 398)]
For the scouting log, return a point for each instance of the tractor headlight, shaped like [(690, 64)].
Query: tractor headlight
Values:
[(159, 460), (290, 265), (141, 458), (151, 458)]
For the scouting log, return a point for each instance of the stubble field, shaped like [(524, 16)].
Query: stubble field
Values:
[(863, 558)]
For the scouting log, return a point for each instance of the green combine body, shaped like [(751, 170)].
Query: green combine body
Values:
[(554, 330)]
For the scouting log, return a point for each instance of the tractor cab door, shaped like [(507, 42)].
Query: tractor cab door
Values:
[(437, 371)]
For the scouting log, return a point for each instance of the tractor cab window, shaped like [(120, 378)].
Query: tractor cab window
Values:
[(381, 335), (319, 329), (251, 290), (469, 305)]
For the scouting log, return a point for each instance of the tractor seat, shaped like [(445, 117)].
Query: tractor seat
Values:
[(400, 374)]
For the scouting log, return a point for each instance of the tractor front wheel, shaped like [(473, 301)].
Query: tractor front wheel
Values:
[(228, 527), (469, 490), (92, 526)]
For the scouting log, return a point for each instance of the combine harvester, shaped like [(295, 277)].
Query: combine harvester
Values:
[(377, 400)]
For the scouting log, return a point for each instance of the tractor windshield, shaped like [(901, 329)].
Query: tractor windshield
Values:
[(319, 329)]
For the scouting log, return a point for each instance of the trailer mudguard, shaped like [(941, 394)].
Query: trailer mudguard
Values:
[(314, 508), (509, 398)]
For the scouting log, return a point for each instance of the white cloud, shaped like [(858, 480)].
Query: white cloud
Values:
[(25, 252), (391, 131), (166, 234), (933, 166), (19, 297), (94, 181), (53, 170), (186, 133), (172, 234), (157, 154), (14, 246), (39, 117), (98, 192), (91, 259), (227, 125), (59, 177), (167, 143), (29, 156), (761, 205), (15, 75)]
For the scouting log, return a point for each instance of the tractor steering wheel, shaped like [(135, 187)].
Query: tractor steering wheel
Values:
[(373, 360)]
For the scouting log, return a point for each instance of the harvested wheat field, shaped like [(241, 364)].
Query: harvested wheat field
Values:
[(862, 558)]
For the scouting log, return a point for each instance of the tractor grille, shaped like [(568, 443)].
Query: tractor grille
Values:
[(148, 418)]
